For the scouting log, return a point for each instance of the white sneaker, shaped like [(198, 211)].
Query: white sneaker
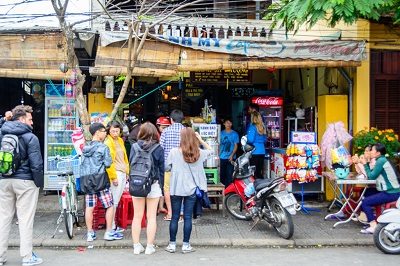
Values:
[(171, 248), (90, 236), (137, 249), (150, 250), (3, 262), (187, 248), (119, 230), (33, 260)]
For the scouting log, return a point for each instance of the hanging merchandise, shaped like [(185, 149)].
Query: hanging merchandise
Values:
[(73, 78), (302, 162), (68, 90)]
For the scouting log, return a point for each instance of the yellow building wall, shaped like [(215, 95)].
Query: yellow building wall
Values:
[(98, 103), (331, 108)]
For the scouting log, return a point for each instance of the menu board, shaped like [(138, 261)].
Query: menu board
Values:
[(191, 92), (234, 76)]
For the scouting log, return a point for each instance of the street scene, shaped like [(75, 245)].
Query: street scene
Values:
[(236, 131)]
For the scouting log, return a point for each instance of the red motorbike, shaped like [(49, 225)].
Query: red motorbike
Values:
[(261, 199)]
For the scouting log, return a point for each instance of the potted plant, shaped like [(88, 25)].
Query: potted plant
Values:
[(372, 136)]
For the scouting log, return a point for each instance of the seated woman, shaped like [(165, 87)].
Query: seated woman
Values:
[(387, 184)]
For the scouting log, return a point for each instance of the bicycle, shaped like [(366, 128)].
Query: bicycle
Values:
[(69, 170)]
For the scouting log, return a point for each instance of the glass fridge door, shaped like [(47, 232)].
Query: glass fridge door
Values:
[(272, 119), (61, 120)]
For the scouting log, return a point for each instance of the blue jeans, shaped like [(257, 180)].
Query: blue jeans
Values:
[(377, 199), (226, 172), (188, 205)]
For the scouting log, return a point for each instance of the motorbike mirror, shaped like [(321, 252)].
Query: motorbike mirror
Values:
[(243, 140)]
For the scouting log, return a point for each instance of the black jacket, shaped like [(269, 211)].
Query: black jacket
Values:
[(2, 121), (32, 165)]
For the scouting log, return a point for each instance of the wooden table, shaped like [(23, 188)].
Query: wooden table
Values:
[(340, 194), (217, 191)]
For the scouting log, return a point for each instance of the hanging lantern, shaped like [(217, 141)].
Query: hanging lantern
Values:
[(73, 78), (68, 90), (64, 67), (271, 69)]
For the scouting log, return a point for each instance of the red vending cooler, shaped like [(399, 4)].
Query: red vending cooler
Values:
[(271, 109)]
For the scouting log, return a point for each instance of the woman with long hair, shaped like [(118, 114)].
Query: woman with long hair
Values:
[(387, 184), (147, 137), (119, 169), (187, 172), (257, 135)]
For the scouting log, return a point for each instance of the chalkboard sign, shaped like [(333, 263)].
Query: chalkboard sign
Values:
[(235, 76), (191, 92)]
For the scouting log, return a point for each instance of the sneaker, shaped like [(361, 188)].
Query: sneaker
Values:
[(150, 250), (137, 249), (119, 230), (110, 235), (90, 236), (171, 248), (187, 248), (3, 262), (33, 260)]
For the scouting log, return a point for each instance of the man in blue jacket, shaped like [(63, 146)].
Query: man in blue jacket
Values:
[(20, 190)]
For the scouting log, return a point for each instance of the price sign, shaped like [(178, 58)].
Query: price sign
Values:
[(208, 130), (235, 76)]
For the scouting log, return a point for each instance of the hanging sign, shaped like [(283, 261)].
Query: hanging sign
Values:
[(191, 92), (206, 130)]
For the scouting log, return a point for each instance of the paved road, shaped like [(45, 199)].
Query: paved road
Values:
[(217, 256)]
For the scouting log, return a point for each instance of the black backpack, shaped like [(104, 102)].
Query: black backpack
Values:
[(142, 171), (10, 158)]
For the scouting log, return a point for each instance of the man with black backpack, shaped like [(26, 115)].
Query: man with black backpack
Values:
[(20, 181)]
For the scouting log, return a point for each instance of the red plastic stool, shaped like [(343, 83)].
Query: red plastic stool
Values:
[(378, 209), (99, 216), (124, 214)]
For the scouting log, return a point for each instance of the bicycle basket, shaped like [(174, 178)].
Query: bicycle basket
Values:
[(70, 165)]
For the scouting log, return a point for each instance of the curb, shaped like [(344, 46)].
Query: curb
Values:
[(210, 242)]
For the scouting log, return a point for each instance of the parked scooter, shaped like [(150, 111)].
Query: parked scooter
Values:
[(387, 232), (261, 199)]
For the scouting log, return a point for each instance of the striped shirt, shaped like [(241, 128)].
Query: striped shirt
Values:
[(170, 138)]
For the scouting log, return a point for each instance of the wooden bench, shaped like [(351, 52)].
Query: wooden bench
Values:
[(217, 191)]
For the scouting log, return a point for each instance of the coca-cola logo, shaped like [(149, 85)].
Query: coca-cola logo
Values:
[(268, 100)]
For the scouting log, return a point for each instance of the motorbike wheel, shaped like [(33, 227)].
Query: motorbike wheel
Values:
[(236, 207), (383, 242), (283, 220)]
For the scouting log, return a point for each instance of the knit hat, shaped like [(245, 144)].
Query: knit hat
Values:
[(96, 126)]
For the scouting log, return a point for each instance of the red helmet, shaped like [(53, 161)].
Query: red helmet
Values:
[(163, 121)]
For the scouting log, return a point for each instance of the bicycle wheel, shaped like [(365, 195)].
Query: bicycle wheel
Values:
[(68, 215)]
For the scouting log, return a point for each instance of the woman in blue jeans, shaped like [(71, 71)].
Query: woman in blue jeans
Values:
[(387, 184), (187, 172)]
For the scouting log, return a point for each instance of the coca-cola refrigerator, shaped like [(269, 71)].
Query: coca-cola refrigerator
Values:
[(271, 110)]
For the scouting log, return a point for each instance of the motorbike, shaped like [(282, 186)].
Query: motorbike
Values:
[(261, 199), (387, 232)]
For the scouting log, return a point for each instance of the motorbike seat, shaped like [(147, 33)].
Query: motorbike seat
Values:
[(262, 183)]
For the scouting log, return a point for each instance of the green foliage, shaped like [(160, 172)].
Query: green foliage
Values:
[(291, 14), (120, 78), (372, 136)]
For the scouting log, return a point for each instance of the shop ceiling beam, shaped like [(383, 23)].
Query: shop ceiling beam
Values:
[(33, 74)]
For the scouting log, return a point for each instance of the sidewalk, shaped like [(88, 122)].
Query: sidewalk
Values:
[(210, 230)]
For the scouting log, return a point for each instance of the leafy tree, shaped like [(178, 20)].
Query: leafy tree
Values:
[(291, 14)]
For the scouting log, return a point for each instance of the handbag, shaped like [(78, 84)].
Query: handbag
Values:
[(93, 183), (199, 192)]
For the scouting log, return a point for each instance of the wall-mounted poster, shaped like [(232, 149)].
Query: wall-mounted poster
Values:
[(303, 137), (98, 117)]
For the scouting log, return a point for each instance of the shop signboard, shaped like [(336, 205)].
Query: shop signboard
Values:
[(206, 130), (232, 76), (267, 100)]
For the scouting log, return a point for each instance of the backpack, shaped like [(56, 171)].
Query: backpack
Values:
[(142, 171), (10, 158)]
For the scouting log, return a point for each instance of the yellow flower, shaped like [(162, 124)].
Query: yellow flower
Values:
[(366, 128), (396, 136), (359, 147), (379, 132), (373, 129), (387, 136), (376, 137)]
